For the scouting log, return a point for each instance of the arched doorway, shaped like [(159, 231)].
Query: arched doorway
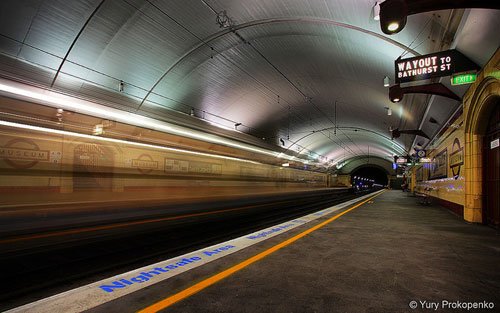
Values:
[(491, 168), (480, 130)]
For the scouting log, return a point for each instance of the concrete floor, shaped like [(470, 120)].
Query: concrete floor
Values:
[(376, 258)]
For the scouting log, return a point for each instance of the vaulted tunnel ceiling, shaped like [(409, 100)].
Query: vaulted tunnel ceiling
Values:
[(306, 72)]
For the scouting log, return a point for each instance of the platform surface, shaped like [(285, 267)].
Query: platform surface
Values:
[(376, 258)]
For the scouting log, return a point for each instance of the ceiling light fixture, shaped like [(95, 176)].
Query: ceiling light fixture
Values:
[(392, 27), (393, 16), (376, 11), (395, 93), (394, 13), (387, 81)]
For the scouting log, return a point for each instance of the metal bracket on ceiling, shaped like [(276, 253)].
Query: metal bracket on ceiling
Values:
[(397, 92)]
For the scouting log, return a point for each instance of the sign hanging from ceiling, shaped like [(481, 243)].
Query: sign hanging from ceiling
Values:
[(444, 63)]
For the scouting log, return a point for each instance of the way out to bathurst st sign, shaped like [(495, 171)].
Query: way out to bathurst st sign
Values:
[(444, 63)]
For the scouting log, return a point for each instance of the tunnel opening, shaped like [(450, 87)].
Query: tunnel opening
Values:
[(371, 174)]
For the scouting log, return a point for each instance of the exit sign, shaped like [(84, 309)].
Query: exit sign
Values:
[(462, 79)]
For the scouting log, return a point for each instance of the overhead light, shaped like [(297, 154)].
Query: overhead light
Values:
[(285, 164), (120, 86), (393, 15), (392, 27), (386, 81), (376, 11), (191, 112), (389, 110), (395, 93)]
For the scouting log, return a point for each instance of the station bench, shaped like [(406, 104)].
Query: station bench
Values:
[(424, 198)]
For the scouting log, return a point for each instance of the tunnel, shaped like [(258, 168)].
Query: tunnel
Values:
[(372, 173)]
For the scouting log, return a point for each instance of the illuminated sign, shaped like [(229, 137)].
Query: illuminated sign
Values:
[(463, 79), (425, 160), (401, 160), (444, 63)]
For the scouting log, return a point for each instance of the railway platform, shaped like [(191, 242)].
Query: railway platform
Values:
[(387, 253)]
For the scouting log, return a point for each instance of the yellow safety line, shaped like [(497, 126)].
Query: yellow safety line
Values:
[(162, 304)]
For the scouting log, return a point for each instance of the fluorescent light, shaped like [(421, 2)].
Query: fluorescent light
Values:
[(285, 164), (120, 141)]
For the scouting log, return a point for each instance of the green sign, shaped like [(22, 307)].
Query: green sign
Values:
[(462, 79)]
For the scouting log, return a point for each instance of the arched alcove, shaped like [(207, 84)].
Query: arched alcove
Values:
[(485, 100)]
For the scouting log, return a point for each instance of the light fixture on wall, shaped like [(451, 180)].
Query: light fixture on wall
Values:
[(236, 126), (59, 115), (389, 110), (98, 130), (387, 81), (120, 86)]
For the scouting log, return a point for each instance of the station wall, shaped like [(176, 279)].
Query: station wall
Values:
[(444, 178), (455, 176)]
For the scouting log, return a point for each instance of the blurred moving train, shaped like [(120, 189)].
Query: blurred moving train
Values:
[(51, 156)]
